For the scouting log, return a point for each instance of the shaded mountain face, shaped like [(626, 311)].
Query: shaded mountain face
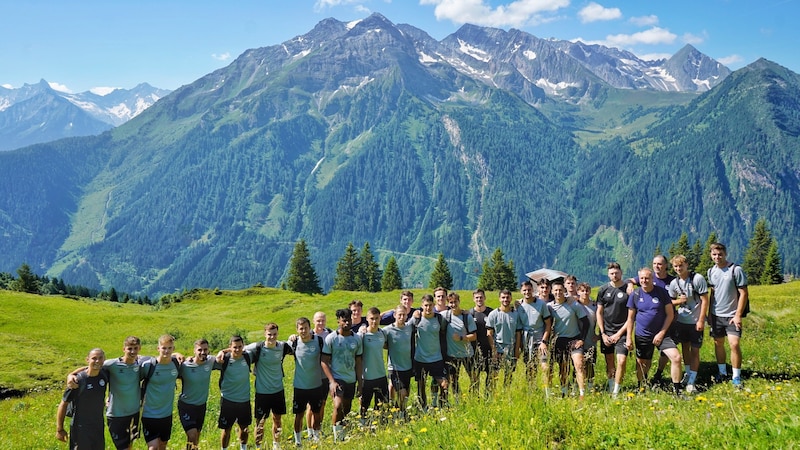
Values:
[(37, 113), (372, 132)]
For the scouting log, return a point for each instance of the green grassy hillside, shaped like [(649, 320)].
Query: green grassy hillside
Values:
[(44, 338)]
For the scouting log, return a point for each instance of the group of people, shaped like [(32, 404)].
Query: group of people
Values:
[(554, 323)]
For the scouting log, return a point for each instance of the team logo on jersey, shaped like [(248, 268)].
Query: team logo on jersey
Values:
[(207, 368), (352, 346), (102, 383), (174, 372), (654, 300), (619, 294)]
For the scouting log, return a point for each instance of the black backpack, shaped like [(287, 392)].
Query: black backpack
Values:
[(152, 370), (227, 358)]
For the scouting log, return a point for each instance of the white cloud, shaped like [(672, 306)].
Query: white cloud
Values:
[(323, 4), (731, 59), (60, 87), (594, 12), (221, 56), (7, 86), (479, 12), (644, 21), (693, 39), (655, 56), (102, 91), (655, 35)]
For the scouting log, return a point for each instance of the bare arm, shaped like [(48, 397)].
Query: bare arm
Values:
[(61, 413)]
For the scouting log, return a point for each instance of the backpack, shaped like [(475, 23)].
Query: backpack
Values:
[(82, 377), (733, 267), (227, 358), (152, 370)]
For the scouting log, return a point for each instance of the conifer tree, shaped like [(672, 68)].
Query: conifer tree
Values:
[(756, 253), (441, 274), (26, 281), (391, 278), (113, 296), (369, 273), (693, 258), (773, 271), (347, 277), (302, 276), (486, 278), (705, 262)]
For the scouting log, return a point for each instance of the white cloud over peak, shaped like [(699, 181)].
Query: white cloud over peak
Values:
[(655, 56), (7, 86), (594, 12), (731, 59), (644, 21), (320, 5), (652, 36), (102, 91), (221, 56), (59, 87), (479, 12)]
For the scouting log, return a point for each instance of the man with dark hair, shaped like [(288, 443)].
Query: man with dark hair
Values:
[(342, 365), (504, 328), (440, 300), (429, 354), (729, 297), (195, 381), (407, 302), (461, 331), (536, 329), (307, 381), (612, 317), (234, 387), (356, 314), (569, 327), (482, 346), (267, 358)]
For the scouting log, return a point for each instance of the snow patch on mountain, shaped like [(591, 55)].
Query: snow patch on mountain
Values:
[(474, 52)]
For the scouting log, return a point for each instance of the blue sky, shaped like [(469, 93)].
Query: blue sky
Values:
[(89, 44)]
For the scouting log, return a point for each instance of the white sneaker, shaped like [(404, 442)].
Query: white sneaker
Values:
[(691, 389)]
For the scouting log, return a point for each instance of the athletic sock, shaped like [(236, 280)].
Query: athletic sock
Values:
[(723, 369), (610, 385), (692, 377), (298, 437), (616, 388), (737, 373)]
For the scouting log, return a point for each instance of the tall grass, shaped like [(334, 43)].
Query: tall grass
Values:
[(43, 338)]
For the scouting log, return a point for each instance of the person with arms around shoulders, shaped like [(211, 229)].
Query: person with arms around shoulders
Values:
[(399, 345), (689, 293), (342, 365), (461, 332), (429, 353), (158, 392), (536, 329), (651, 310), (612, 319), (234, 388), (307, 383), (192, 402), (591, 337), (569, 327), (482, 346), (729, 297), (504, 329), (320, 324), (86, 431), (375, 384)]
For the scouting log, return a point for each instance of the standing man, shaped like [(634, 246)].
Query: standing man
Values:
[(612, 318), (440, 300), (650, 308), (124, 398), (267, 358), (341, 363), (399, 344), (536, 329), (406, 301), (356, 313), (591, 337), (234, 387), (569, 326), (429, 354), (461, 331), (729, 297), (482, 346), (307, 380), (689, 294), (662, 278), (195, 381), (504, 329), (160, 378), (86, 428), (376, 385), (320, 329)]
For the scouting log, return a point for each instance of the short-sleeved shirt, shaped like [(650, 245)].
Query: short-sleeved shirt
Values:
[(123, 384), (399, 343), (504, 325), (195, 381), (650, 310), (694, 286), (269, 367), (480, 323), (343, 351), (726, 283), (159, 394), (591, 314), (307, 369), (429, 347), (373, 365), (566, 317), (533, 316), (236, 381), (660, 282), (89, 401), (456, 324), (614, 301)]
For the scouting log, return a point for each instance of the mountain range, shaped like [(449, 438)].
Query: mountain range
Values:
[(562, 154), (36, 113)]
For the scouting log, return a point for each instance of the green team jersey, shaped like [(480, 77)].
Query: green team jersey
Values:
[(159, 394), (269, 367), (123, 386), (399, 341), (374, 367), (343, 351), (307, 368), (195, 381), (236, 382)]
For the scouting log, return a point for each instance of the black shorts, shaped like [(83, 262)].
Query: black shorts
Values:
[(234, 412), (687, 332), (160, 428), (401, 379), (346, 390), (618, 348), (123, 430), (721, 327), (303, 398), (378, 388), (563, 350), (270, 403), (80, 438), (645, 347), (436, 370), (192, 416)]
